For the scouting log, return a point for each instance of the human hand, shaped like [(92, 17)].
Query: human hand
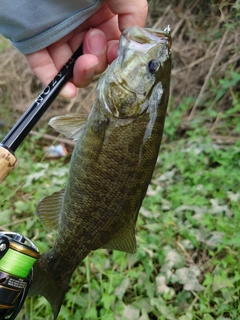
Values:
[(100, 44)]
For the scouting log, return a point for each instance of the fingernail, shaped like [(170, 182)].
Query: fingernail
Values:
[(97, 42), (90, 70)]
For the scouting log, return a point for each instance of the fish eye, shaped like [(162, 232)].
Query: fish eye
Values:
[(153, 66)]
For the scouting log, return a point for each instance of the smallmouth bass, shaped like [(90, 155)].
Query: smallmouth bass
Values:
[(112, 163)]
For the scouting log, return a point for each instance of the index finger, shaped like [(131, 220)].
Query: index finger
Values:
[(130, 13)]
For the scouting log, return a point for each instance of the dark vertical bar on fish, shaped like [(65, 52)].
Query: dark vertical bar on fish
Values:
[(33, 114)]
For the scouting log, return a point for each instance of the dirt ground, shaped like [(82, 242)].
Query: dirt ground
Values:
[(206, 43)]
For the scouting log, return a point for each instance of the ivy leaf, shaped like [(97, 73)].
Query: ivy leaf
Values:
[(207, 316), (107, 300), (188, 277), (91, 313), (214, 239), (162, 288), (172, 260), (130, 312), (5, 217), (187, 316), (122, 288)]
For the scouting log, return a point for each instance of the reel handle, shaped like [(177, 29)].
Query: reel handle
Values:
[(7, 163)]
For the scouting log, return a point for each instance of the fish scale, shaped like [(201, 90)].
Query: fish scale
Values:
[(112, 162)]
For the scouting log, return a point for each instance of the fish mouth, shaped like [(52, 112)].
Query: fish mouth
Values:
[(141, 39)]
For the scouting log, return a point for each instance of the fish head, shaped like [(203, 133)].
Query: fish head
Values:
[(144, 62)]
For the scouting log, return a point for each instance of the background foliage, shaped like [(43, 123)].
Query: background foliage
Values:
[(187, 263)]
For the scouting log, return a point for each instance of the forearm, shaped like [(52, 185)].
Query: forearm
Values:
[(33, 25)]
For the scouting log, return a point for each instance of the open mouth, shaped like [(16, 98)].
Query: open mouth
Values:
[(142, 39)]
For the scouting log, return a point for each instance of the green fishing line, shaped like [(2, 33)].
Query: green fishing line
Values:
[(16, 263)]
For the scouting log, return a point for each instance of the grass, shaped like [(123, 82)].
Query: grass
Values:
[(186, 266)]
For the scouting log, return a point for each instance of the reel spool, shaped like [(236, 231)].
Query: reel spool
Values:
[(17, 256)]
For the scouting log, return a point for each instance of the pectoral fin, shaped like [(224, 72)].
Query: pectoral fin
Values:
[(48, 210), (70, 125), (124, 240)]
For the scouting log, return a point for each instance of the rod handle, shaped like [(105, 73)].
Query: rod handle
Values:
[(7, 163)]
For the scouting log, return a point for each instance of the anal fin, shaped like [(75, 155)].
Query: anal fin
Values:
[(124, 240)]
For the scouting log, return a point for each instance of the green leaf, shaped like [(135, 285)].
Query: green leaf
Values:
[(221, 282), (130, 312), (208, 317), (91, 313), (107, 300), (121, 289), (5, 216), (187, 316), (162, 288), (172, 260), (188, 277)]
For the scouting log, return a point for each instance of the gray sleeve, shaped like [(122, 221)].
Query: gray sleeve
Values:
[(32, 25)]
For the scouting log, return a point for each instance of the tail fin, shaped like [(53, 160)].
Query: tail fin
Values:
[(44, 284)]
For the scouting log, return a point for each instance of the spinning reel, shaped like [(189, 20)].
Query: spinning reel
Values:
[(17, 256)]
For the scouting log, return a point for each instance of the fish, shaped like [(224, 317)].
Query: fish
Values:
[(117, 145)]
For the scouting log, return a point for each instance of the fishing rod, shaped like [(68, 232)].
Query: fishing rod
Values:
[(21, 129), (18, 253)]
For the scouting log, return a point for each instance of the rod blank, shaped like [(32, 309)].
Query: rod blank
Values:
[(32, 115)]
